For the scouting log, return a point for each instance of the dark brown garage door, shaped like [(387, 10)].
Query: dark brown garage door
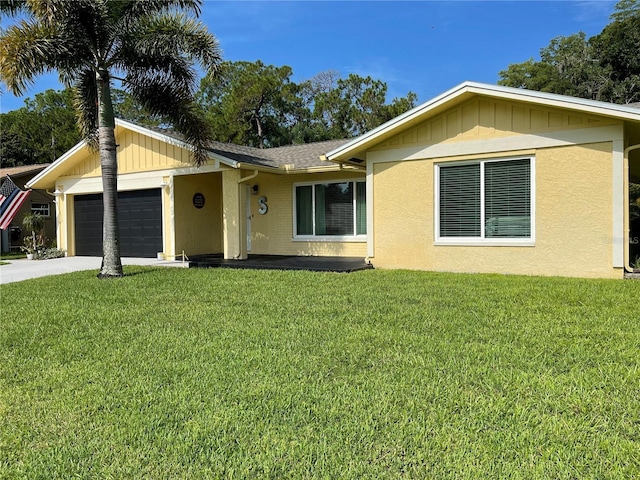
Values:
[(139, 216)]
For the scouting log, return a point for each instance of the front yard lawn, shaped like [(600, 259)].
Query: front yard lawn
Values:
[(175, 373)]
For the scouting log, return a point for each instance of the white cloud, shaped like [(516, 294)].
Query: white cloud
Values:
[(592, 12)]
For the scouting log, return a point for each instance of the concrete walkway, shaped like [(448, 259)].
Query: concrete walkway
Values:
[(23, 269)]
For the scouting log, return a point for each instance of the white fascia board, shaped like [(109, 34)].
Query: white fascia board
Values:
[(57, 164), (594, 107), (507, 93), (222, 159), (297, 171)]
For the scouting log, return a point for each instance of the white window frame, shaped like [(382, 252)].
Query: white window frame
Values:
[(39, 210), (326, 238), (482, 241)]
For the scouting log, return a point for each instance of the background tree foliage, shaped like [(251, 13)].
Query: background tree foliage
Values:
[(250, 103), (254, 104), (126, 107), (46, 127), (40, 131), (604, 67), (247, 103), (355, 105)]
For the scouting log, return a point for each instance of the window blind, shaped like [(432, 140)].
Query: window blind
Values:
[(460, 201), (507, 196)]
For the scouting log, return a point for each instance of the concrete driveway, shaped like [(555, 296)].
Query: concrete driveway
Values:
[(23, 269)]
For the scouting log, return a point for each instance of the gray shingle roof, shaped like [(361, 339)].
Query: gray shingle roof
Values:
[(301, 156)]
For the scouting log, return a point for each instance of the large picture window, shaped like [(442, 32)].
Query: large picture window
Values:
[(331, 210), (489, 200)]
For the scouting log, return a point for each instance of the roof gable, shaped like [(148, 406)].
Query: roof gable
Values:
[(466, 92), (483, 118)]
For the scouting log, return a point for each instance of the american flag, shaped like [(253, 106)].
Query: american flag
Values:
[(11, 199)]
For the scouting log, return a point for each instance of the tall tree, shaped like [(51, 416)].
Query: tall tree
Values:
[(148, 45), (356, 105), (250, 103), (619, 50), (605, 67)]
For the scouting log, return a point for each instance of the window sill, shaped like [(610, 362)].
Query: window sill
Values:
[(330, 239), (477, 243)]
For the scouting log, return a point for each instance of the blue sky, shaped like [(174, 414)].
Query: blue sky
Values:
[(426, 47)]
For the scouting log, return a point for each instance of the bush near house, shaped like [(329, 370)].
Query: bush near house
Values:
[(263, 374)]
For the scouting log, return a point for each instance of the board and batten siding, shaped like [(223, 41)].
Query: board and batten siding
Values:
[(136, 153), (484, 118)]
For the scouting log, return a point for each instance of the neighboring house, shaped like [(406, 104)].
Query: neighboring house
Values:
[(39, 201), (482, 178)]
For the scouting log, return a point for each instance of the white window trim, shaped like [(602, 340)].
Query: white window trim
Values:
[(325, 238), (482, 241), (48, 215)]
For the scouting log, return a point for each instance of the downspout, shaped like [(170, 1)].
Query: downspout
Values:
[(249, 177), (627, 262)]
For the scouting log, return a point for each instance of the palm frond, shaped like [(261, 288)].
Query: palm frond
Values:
[(27, 50), (175, 70), (177, 107), (133, 10), (53, 11), (12, 7), (174, 35)]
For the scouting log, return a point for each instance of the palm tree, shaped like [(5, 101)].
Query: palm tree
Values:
[(151, 46)]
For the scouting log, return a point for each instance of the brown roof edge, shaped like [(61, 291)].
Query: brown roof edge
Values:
[(22, 170)]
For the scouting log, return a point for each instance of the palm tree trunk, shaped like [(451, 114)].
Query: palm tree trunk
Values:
[(111, 263)]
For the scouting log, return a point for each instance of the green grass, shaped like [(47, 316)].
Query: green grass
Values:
[(172, 373), (10, 256)]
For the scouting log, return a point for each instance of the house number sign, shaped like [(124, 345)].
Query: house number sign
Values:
[(262, 205), (198, 200)]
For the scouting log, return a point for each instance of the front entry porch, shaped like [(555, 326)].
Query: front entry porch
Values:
[(283, 262)]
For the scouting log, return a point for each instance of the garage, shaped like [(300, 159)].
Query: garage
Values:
[(139, 217)]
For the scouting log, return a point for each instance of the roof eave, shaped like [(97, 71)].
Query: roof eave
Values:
[(39, 181)]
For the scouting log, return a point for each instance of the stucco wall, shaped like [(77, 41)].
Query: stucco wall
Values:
[(573, 218), (272, 233), (198, 230)]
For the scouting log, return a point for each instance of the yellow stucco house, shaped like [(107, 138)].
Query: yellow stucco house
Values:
[(482, 178)]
